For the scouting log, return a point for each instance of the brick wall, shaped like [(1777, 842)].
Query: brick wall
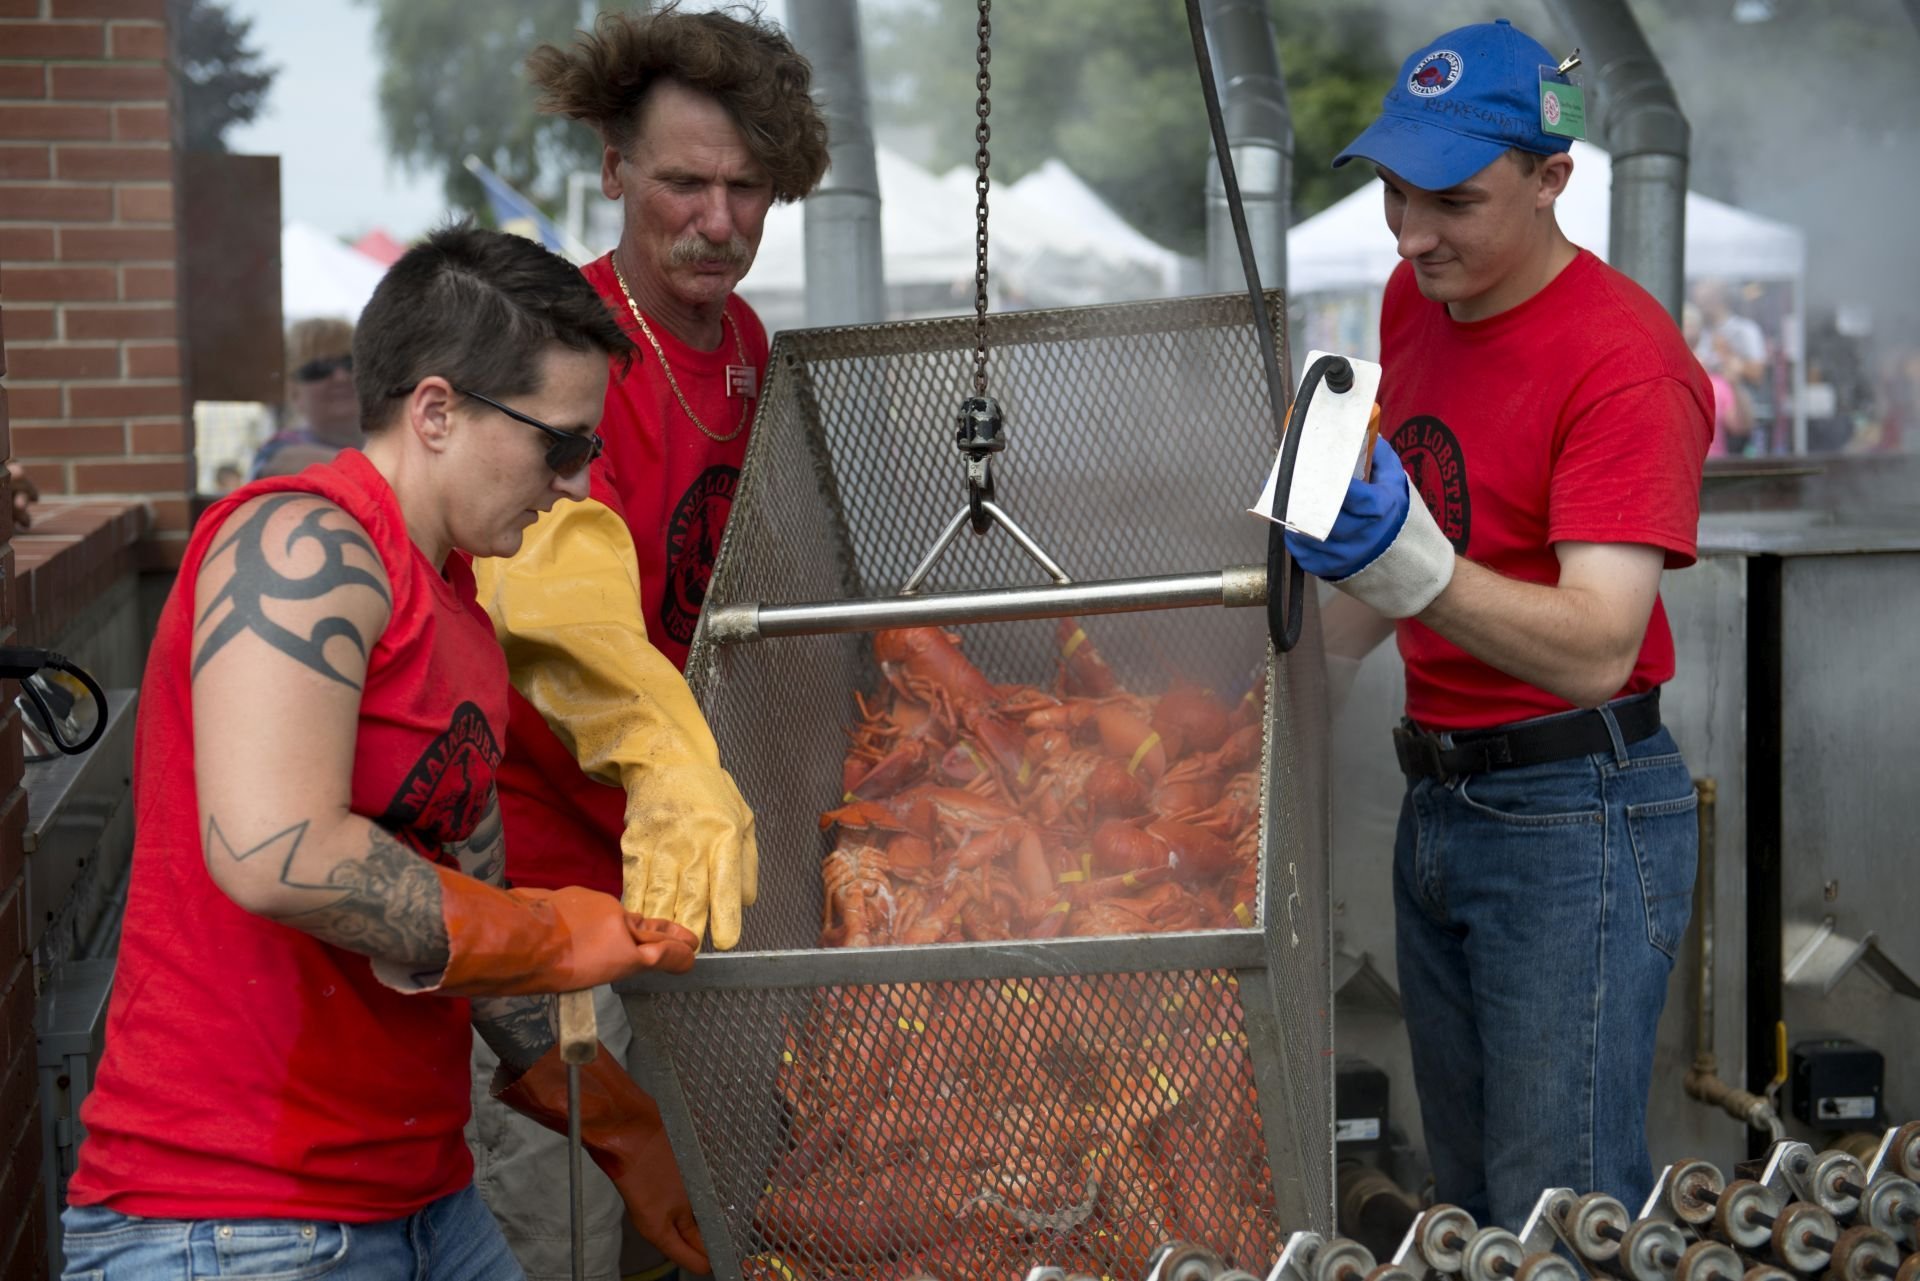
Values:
[(88, 247), (92, 400), (23, 1250)]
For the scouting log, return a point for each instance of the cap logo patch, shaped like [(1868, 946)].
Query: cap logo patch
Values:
[(1434, 74)]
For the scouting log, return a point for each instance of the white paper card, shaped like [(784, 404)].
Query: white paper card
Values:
[(1333, 443)]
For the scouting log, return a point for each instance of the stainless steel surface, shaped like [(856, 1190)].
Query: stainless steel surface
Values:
[(1253, 102), (850, 471), (1235, 587), (1633, 112), (1021, 539), (79, 809), (846, 284), (576, 1185)]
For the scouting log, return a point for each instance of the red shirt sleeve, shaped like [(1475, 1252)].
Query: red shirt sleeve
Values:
[(1628, 471)]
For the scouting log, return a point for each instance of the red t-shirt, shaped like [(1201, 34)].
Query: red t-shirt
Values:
[(1577, 416), (673, 485), (252, 1070)]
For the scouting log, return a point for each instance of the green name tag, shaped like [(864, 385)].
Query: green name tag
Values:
[(1563, 109)]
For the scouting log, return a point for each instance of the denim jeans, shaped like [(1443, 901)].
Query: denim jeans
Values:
[(453, 1239), (1537, 913)]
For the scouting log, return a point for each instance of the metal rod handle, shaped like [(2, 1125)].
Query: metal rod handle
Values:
[(1233, 587)]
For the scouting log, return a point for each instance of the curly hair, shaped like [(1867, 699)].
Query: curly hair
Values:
[(743, 61)]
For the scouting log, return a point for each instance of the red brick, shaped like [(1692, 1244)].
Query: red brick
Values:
[(153, 360), (58, 204), (92, 439), (171, 515), (22, 80), (160, 438), (62, 361), (114, 164), (20, 9), (48, 122), (26, 244), (132, 478), (50, 475), (133, 40), (117, 244), (110, 82), (146, 204), (125, 400), (25, 162), (13, 937), (142, 124), (120, 322), (162, 553), (146, 284), (62, 284), (34, 402), (24, 324), (154, 9), (53, 40), (13, 826), (16, 1008)]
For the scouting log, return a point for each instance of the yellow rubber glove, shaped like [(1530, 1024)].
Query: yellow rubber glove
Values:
[(567, 611)]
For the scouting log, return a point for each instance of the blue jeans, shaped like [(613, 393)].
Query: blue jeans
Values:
[(453, 1239), (1537, 913)]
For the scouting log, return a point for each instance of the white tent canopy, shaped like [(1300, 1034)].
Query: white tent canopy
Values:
[(319, 276), (1348, 246), (1049, 220)]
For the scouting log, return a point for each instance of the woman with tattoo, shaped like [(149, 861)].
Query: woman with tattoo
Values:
[(317, 919)]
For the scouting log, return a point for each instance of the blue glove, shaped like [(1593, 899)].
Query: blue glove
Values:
[(1370, 519)]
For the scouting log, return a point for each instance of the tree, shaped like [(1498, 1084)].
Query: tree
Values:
[(1109, 86), (452, 85), (221, 78)]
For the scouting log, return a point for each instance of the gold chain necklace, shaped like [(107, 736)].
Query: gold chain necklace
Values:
[(740, 350)]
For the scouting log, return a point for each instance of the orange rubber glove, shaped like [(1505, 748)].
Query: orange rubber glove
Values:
[(530, 942), (621, 1130)]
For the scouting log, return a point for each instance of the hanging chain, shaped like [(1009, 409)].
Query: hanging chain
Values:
[(981, 133)]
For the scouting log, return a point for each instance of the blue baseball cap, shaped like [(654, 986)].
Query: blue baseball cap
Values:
[(1458, 105)]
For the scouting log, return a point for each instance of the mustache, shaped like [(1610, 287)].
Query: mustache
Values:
[(697, 248)]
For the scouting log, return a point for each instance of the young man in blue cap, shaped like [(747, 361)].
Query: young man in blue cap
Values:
[(1544, 427)]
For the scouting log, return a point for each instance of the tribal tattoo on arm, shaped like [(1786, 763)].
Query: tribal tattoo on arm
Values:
[(257, 580), (519, 1029)]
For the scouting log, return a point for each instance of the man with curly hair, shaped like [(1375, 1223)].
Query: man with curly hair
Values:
[(611, 776)]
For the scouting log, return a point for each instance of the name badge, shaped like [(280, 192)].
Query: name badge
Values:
[(743, 380)]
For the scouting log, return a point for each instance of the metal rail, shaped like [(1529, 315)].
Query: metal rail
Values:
[(1236, 586)]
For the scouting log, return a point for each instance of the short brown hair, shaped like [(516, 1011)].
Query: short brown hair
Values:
[(479, 308), (744, 62), (316, 338)]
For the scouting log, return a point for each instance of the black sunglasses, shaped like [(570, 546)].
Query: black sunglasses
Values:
[(321, 368), (570, 450)]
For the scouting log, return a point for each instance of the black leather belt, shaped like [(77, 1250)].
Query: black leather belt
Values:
[(1555, 738)]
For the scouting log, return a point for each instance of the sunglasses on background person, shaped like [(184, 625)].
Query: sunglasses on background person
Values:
[(321, 368), (570, 450)]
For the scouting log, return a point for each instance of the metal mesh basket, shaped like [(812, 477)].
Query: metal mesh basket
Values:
[(1194, 1071)]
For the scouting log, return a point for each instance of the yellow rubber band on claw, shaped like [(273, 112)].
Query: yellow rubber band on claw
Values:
[(848, 798), (1074, 642), (1068, 877), (1243, 914), (1026, 772), (1147, 744), (910, 1025), (1060, 907)]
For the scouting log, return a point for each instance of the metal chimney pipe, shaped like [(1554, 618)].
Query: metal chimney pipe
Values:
[(1640, 123), (846, 284), (1253, 97)]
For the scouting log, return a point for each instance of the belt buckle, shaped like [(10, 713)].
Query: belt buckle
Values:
[(1420, 754)]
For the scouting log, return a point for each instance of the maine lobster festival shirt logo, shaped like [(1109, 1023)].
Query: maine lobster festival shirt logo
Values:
[(1437, 466), (1434, 74), (693, 540), (441, 799)]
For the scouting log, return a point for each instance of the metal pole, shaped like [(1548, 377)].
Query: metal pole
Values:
[(1641, 124), (846, 284), (1234, 587), (1260, 133)]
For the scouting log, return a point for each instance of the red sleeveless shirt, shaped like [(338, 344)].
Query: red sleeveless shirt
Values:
[(252, 1070)]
